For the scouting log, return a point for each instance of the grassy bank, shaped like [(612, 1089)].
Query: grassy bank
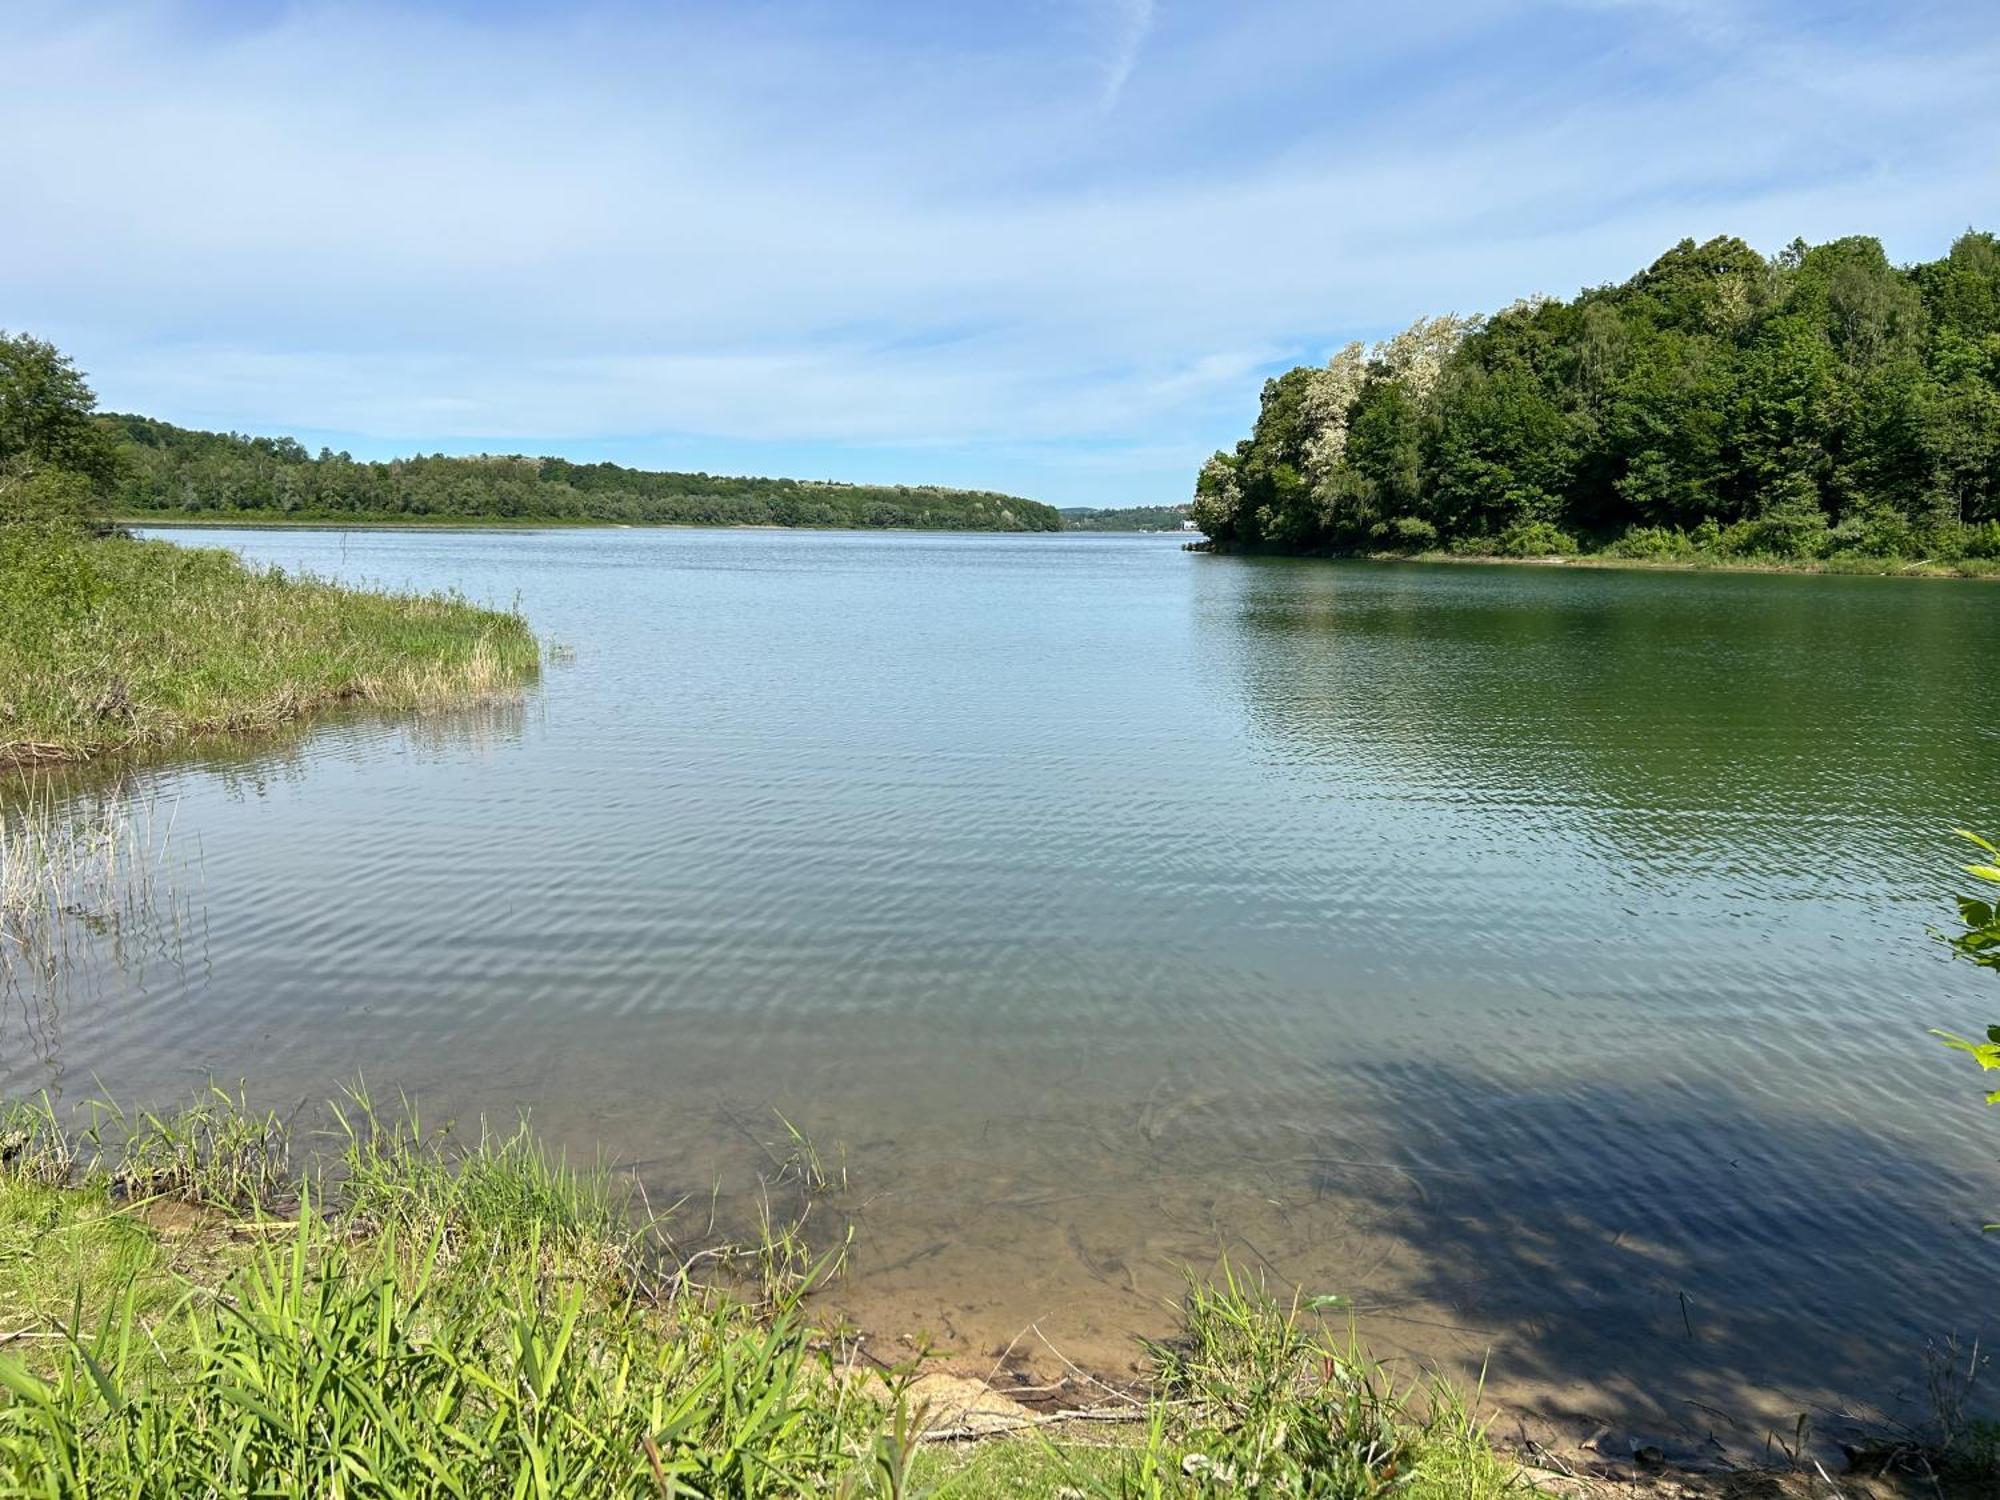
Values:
[(1689, 559), (180, 1313), (113, 644), (1850, 564)]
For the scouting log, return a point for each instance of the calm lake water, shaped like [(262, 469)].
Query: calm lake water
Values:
[(1536, 957)]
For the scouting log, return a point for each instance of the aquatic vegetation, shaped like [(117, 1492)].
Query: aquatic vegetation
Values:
[(785, 1262), (803, 1164), (111, 644), (91, 878), (65, 857), (33, 1146), (1960, 1442), (215, 1150), (395, 1177), (1255, 1396)]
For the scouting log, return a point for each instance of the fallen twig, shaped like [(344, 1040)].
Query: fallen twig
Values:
[(1023, 1424)]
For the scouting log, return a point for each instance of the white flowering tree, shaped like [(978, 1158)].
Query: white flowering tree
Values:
[(1218, 496), (1415, 358), (1330, 395)]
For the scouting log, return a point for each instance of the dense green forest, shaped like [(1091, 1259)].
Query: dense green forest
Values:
[(172, 470), (1816, 404), (1124, 518)]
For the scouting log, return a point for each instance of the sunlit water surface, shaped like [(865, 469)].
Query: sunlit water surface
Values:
[(1535, 957)]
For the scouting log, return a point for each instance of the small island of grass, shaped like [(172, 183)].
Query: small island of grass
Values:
[(111, 644)]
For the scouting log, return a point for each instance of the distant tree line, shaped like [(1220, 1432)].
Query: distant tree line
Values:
[(172, 470), (1126, 518), (1818, 402)]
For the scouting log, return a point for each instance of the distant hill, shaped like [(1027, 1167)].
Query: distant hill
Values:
[(1130, 518), (175, 471)]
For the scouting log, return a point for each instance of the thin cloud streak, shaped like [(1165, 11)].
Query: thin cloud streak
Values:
[(1131, 23)]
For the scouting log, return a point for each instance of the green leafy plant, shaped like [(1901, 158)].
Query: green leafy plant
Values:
[(215, 1150), (1652, 542), (1978, 942), (433, 1318), (1254, 1396), (33, 1147)]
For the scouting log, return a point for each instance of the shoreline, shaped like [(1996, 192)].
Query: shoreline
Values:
[(1975, 569), (256, 522), (168, 1217), (157, 1224)]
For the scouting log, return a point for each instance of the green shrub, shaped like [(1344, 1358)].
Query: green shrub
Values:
[(49, 583), (1534, 539), (1791, 537), (1652, 541), (1981, 541), (1877, 533), (1791, 526), (42, 497), (1405, 534), (1738, 539)]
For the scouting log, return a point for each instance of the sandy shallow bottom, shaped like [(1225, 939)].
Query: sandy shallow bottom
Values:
[(1039, 1271)]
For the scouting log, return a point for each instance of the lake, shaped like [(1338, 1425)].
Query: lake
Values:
[(1535, 957)]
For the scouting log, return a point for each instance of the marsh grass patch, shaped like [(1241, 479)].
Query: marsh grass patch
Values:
[(150, 644)]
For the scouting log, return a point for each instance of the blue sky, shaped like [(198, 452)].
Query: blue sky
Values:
[(1050, 246)]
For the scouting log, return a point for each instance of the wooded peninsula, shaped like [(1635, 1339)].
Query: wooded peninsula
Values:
[(1812, 408), (174, 472), (1123, 518)]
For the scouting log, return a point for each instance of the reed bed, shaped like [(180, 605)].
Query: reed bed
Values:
[(416, 1314), (89, 875), (110, 645), (59, 856)]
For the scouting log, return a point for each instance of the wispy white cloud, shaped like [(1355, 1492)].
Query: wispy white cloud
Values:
[(891, 253), (1129, 24)]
